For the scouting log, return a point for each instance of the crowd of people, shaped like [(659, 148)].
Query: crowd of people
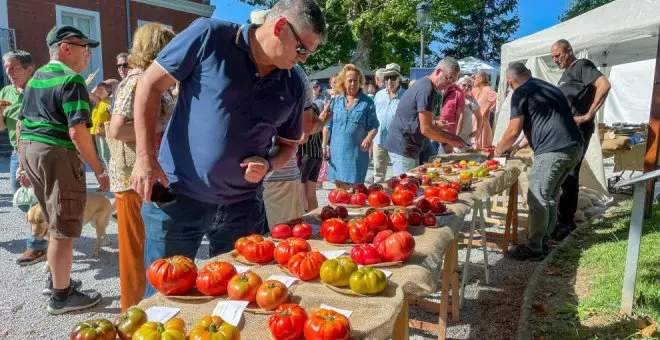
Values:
[(216, 132)]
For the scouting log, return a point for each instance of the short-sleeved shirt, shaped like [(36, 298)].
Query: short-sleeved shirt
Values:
[(469, 109), (56, 99), (452, 103), (548, 122), (404, 136), (577, 84), (385, 110), (226, 111), (10, 93)]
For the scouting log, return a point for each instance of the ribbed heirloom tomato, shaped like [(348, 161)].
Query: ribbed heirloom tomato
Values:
[(244, 286), (327, 325), (306, 266), (287, 322), (213, 327), (94, 330), (257, 250), (240, 244), (173, 275), (128, 322), (339, 196), (359, 231), (378, 199), (403, 197), (393, 246), (173, 329), (399, 221), (368, 281), (337, 272), (334, 231), (377, 221), (288, 248), (213, 278), (272, 294), (365, 254)]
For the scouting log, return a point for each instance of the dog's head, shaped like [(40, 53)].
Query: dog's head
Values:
[(38, 222)]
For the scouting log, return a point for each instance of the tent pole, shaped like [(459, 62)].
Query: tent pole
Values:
[(653, 140)]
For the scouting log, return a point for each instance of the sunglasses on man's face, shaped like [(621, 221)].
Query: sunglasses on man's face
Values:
[(392, 78), (124, 65), (300, 48), (85, 46)]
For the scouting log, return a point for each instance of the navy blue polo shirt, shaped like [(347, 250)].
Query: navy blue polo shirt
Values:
[(225, 112)]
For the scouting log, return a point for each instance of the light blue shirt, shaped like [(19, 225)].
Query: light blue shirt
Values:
[(385, 109)]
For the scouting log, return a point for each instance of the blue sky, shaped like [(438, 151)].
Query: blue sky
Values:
[(535, 15)]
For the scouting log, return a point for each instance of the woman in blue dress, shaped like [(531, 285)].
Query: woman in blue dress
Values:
[(351, 130)]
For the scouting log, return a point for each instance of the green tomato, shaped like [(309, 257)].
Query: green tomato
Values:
[(368, 281), (337, 272)]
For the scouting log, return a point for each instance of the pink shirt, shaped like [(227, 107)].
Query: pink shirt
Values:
[(453, 102)]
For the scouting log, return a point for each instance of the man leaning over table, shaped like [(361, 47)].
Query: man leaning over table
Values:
[(541, 111), (237, 93)]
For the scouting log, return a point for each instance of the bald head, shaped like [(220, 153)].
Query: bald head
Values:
[(562, 53), (517, 74)]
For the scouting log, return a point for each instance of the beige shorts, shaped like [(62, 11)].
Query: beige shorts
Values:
[(284, 201)]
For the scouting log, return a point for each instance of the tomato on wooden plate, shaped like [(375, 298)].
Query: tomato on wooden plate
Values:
[(287, 322), (174, 275), (327, 324)]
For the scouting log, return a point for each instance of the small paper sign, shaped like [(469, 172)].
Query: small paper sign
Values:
[(332, 254), (241, 269), (502, 160), (161, 314), (287, 280), (230, 311), (346, 313)]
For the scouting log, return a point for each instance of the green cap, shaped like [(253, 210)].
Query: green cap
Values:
[(60, 33)]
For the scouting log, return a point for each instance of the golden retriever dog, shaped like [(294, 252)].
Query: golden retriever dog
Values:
[(98, 210)]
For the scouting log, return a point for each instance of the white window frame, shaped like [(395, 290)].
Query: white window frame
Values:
[(141, 23), (97, 53)]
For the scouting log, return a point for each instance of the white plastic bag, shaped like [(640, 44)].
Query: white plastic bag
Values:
[(24, 197)]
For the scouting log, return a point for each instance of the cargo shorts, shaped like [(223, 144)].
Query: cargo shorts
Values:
[(58, 179)]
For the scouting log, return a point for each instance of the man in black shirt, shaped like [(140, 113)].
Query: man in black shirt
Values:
[(541, 111), (586, 89)]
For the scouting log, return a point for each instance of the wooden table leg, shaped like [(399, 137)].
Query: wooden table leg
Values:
[(401, 330), (512, 217), (455, 286)]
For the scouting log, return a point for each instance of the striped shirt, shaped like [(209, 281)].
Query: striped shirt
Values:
[(56, 99)]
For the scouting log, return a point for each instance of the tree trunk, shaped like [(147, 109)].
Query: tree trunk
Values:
[(362, 54)]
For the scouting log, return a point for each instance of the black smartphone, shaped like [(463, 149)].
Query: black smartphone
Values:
[(162, 196)]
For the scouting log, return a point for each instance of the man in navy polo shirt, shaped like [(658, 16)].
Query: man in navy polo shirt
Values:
[(236, 93)]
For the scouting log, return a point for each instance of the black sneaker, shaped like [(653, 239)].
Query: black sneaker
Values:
[(561, 231), (75, 284), (524, 253), (76, 300)]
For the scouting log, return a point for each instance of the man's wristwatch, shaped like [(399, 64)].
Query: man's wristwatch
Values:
[(102, 175)]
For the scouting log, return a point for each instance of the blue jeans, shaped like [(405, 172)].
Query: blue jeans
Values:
[(401, 164), (32, 242), (178, 229)]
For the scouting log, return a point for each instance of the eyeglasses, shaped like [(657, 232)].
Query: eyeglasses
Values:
[(85, 46), (392, 78), (300, 48), (124, 65)]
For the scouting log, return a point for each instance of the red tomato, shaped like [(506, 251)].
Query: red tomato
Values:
[(437, 207), (423, 204), (392, 182), (173, 275), (377, 221), (339, 196), (403, 197), (271, 294), (365, 255), (456, 186), (327, 325), (412, 187), (403, 175), (414, 218), (428, 219), (378, 199), (375, 187), (394, 246), (334, 231), (306, 266), (244, 286), (259, 252), (448, 195), (359, 199), (241, 242), (213, 278), (288, 248), (399, 188), (287, 322), (399, 221), (302, 230), (327, 213), (359, 231), (442, 185), (342, 212), (359, 188), (431, 192), (281, 231)]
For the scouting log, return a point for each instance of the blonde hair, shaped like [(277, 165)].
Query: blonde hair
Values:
[(148, 41), (483, 76), (341, 77)]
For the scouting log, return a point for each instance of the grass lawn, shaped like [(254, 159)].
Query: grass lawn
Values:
[(580, 294)]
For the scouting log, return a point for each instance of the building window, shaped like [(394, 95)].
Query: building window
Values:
[(144, 22), (88, 22)]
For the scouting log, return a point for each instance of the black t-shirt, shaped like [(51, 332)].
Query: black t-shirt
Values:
[(577, 84), (404, 136), (548, 122)]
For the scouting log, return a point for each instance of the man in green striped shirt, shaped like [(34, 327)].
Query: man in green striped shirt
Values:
[(53, 137)]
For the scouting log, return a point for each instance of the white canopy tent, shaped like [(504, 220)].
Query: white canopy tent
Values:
[(621, 32), (470, 65)]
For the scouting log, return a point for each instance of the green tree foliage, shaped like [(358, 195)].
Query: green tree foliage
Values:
[(481, 32), (578, 7)]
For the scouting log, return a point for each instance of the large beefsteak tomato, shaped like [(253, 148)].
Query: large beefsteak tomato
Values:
[(368, 281), (377, 221), (173, 275), (403, 197), (307, 265), (365, 254), (339, 196), (337, 272), (129, 322), (359, 231), (213, 278), (393, 246), (448, 195), (334, 231), (378, 199), (100, 329), (287, 322), (240, 244), (173, 329), (399, 221), (272, 294), (327, 324), (288, 248), (213, 327), (244, 286), (258, 251)]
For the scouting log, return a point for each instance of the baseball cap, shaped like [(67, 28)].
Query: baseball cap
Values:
[(60, 33), (315, 83)]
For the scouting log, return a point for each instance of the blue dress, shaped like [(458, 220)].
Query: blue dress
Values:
[(348, 163)]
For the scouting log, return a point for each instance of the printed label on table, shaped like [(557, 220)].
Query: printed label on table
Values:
[(332, 254), (241, 269), (346, 313), (502, 160), (230, 311), (286, 279), (161, 314)]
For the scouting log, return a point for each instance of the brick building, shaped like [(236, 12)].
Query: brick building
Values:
[(24, 24)]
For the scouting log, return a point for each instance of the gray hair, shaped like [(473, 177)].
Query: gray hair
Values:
[(379, 73), (306, 13), (466, 79), (23, 57), (54, 51), (122, 55), (565, 45), (518, 70), (449, 64)]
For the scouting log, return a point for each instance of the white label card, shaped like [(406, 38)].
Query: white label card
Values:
[(161, 314), (332, 254), (241, 269), (346, 313), (287, 280), (502, 160), (230, 311)]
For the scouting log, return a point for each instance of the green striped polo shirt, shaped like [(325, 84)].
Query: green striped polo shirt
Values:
[(55, 99)]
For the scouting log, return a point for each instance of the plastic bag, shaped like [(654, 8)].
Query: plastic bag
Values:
[(24, 197)]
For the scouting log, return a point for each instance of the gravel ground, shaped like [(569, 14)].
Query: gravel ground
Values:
[(490, 311)]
